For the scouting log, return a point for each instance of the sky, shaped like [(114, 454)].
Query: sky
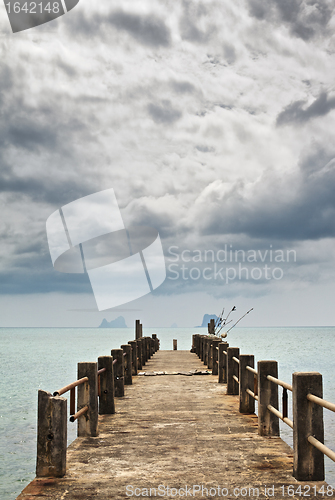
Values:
[(213, 121)]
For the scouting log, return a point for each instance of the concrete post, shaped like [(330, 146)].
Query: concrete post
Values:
[(139, 354), (268, 423), (148, 344), (232, 369), (155, 339), (118, 372), (128, 379), (215, 351), (197, 344), (203, 348), (193, 348), (106, 398), (144, 351), (152, 346), (174, 344), (137, 329), (51, 435), (212, 327), (246, 378), (308, 462), (210, 353), (223, 346), (88, 396), (206, 350), (133, 345)]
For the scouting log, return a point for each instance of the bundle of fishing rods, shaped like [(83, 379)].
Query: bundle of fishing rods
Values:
[(221, 322)]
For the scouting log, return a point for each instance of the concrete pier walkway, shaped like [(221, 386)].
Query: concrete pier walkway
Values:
[(173, 431)]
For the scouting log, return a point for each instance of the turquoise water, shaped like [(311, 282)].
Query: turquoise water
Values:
[(46, 358)]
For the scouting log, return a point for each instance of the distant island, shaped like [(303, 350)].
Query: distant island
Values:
[(119, 322), (206, 320), (174, 325)]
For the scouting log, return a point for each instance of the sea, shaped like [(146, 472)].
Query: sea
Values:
[(46, 358)]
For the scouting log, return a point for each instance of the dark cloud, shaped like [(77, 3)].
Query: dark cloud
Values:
[(50, 190), (36, 279), (297, 112), (189, 30), (164, 112), (183, 87), (148, 30), (297, 207), (229, 53), (304, 18), (205, 149)]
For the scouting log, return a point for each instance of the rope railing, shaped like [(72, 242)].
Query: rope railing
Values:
[(97, 385), (261, 385)]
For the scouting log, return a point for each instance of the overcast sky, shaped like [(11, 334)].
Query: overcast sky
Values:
[(213, 121)]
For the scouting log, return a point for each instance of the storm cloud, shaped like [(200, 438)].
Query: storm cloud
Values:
[(300, 112), (304, 19)]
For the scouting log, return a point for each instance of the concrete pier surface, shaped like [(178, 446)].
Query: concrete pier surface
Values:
[(174, 436)]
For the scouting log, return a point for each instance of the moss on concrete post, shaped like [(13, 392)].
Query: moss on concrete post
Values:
[(268, 423), (107, 393), (51, 435), (88, 396), (232, 370), (308, 461), (222, 370), (133, 345), (246, 378), (128, 379), (118, 372)]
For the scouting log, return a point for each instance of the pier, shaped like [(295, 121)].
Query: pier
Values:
[(181, 428)]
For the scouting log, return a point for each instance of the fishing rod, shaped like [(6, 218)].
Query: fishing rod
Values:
[(233, 309), (219, 320), (240, 319), (225, 320)]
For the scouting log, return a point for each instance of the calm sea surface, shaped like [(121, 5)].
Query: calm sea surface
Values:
[(46, 358)]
